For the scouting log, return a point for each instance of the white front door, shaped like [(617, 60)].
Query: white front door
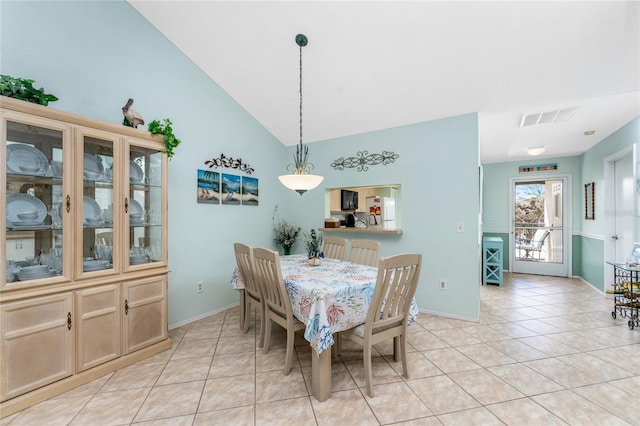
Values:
[(623, 212), (540, 229)]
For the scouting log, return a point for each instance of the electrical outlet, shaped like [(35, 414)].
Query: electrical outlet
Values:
[(443, 284), (199, 288)]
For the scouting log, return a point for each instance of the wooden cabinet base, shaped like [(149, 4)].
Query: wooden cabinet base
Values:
[(25, 401)]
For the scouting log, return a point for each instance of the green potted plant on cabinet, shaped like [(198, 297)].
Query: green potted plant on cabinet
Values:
[(22, 88)]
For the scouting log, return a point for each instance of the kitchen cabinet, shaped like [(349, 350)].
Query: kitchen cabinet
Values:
[(334, 196), (85, 224), (363, 193)]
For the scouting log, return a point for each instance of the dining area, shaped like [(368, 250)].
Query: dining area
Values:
[(351, 293)]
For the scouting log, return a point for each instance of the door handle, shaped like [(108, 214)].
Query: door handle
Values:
[(615, 237)]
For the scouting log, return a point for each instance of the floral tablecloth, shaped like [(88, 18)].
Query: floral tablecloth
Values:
[(331, 297)]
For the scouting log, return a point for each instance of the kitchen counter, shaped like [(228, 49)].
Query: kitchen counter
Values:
[(372, 229)]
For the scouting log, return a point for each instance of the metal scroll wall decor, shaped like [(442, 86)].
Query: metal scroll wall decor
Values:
[(230, 162), (363, 159)]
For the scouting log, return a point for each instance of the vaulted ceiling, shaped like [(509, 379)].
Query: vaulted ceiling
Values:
[(371, 65)]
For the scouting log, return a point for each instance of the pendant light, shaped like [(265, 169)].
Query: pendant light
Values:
[(300, 180)]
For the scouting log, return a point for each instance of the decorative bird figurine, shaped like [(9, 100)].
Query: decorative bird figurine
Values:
[(133, 117)]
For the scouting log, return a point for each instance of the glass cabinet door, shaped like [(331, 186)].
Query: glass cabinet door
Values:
[(145, 204), (36, 214), (97, 214)]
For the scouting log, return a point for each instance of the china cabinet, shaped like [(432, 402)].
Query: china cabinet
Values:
[(84, 227)]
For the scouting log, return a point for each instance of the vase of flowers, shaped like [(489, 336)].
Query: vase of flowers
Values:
[(313, 244), (286, 235)]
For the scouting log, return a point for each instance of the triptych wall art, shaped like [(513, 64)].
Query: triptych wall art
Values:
[(223, 188)]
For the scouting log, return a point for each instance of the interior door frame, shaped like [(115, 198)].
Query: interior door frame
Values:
[(609, 202), (566, 219)]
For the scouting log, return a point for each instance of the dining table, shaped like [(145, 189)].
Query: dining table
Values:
[(328, 298)]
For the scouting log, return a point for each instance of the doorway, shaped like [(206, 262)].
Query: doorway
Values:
[(619, 200), (540, 228)]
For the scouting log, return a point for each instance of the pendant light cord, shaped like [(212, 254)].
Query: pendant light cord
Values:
[(300, 95)]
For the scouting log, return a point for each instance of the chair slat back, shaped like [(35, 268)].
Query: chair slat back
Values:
[(246, 266), (335, 247), (539, 237), (267, 263), (395, 288), (365, 252)]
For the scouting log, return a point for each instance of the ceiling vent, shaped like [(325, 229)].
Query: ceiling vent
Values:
[(548, 116)]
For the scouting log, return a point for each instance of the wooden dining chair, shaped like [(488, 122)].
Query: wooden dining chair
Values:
[(277, 303), (365, 252), (335, 247), (388, 314), (253, 292)]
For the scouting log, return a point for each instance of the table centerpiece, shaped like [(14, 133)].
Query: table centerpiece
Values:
[(313, 244)]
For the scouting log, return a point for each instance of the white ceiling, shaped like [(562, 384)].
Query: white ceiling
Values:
[(371, 65)]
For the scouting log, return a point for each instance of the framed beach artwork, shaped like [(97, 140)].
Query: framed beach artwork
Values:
[(231, 189), (208, 187), (249, 191)]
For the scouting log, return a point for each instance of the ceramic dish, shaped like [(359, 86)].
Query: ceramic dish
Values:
[(22, 277), (95, 265), (135, 208), (26, 159), (93, 169), (90, 208), (135, 172), (20, 203)]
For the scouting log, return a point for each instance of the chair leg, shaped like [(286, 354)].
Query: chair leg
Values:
[(247, 317), (367, 369), (336, 348), (267, 334), (288, 359), (241, 293), (396, 349), (403, 354), (263, 322)]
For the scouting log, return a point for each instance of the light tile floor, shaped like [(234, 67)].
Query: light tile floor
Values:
[(546, 351)]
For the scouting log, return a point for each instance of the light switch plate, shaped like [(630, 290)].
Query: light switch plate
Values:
[(460, 227)]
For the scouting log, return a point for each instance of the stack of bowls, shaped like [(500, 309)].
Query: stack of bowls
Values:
[(34, 272), (94, 265), (135, 217), (28, 216), (137, 259), (92, 220)]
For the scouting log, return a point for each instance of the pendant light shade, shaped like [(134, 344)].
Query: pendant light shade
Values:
[(300, 180)]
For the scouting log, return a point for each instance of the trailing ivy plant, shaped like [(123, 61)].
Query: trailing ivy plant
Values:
[(22, 88), (164, 128)]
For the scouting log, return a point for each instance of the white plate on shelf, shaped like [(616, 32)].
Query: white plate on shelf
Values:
[(27, 224), (90, 208), (93, 169), (26, 159), (135, 207), (135, 172), (21, 203)]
